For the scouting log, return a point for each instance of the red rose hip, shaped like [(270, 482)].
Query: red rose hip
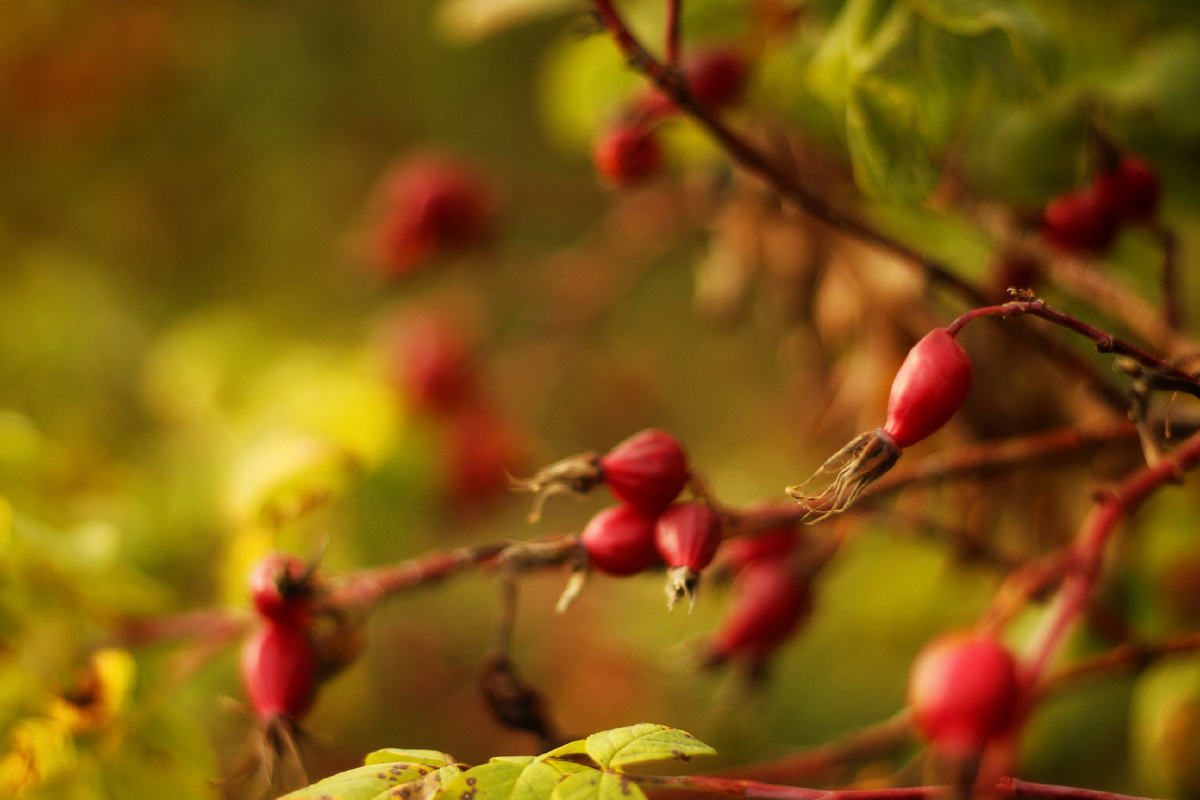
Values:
[(281, 586), (963, 690), (929, 387), (1079, 222), (687, 536), (769, 602), (279, 671), (626, 155), (1130, 192), (620, 540)]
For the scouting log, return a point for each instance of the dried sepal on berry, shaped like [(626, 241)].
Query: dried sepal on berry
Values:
[(648, 471), (929, 388), (687, 536)]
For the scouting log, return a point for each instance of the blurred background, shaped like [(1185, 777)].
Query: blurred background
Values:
[(208, 299)]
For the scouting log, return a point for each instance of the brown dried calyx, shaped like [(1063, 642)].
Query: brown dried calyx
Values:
[(576, 475)]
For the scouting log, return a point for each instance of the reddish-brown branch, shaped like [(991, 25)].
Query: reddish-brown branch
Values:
[(367, 587), (1105, 342), (674, 15), (1127, 657)]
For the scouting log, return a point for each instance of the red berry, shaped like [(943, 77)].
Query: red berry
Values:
[(279, 670), (771, 545), (769, 601), (648, 470), (483, 450), (436, 205), (717, 77), (431, 362), (1130, 191), (929, 387), (1079, 222), (280, 587), (687, 535), (963, 690), (620, 540), (625, 155)]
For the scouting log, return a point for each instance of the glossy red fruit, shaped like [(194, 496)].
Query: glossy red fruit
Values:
[(435, 205), (430, 361), (717, 77), (626, 155), (620, 540), (687, 535), (1131, 191), (769, 601), (1079, 222), (929, 387), (963, 690), (279, 670), (280, 587), (648, 470)]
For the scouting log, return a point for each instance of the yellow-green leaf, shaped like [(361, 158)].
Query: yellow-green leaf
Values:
[(645, 742), (429, 758), (362, 783)]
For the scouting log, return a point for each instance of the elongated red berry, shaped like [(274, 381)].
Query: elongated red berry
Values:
[(1130, 192), (626, 155), (648, 470), (279, 670), (620, 540), (769, 601), (929, 387), (1080, 222), (687, 536), (963, 690), (280, 587)]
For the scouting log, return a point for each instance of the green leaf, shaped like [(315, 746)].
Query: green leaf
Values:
[(575, 748), (596, 785), (510, 778), (1033, 48), (429, 758), (428, 786), (362, 783), (641, 743)]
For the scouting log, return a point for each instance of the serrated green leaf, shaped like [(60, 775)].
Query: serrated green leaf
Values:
[(429, 758), (505, 780), (361, 783), (597, 785), (641, 743)]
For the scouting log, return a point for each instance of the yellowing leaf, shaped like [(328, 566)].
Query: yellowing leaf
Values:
[(362, 783), (39, 749), (284, 474), (98, 695), (597, 785), (645, 742), (505, 780), (428, 758)]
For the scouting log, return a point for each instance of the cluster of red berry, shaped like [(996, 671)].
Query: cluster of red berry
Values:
[(1086, 221), (630, 151), (651, 527), (432, 366)]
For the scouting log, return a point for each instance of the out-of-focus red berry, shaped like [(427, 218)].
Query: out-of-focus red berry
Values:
[(774, 545), (717, 77), (625, 155), (963, 690), (483, 448), (279, 670), (280, 587), (430, 361), (1079, 222), (1130, 192), (769, 601), (434, 205)]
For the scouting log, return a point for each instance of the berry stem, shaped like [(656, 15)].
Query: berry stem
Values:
[(674, 15), (1134, 656), (1105, 342), (1168, 279), (369, 586)]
